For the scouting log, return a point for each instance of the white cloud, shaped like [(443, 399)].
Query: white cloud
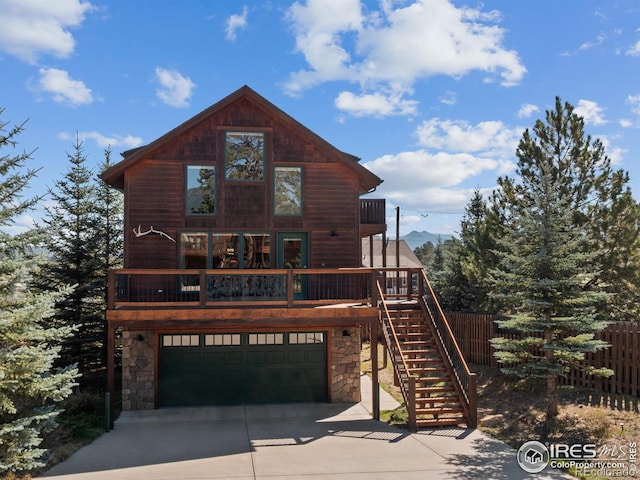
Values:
[(634, 50), (490, 139), (527, 109), (449, 98), (21, 224), (615, 154), (455, 152), (318, 26), (591, 112), (104, 141), (410, 171), (235, 23), (174, 89), (31, 28), (634, 101), (375, 104), (598, 41), (396, 46), (62, 88)]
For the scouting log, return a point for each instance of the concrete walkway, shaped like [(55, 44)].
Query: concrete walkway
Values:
[(297, 441)]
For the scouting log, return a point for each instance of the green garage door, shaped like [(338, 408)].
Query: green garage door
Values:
[(242, 368)]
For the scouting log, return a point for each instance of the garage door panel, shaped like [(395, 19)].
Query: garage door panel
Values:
[(256, 368)]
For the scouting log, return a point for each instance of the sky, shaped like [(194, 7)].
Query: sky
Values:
[(431, 95)]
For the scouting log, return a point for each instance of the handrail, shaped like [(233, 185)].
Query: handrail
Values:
[(467, 385), (393, 345), (212, 288)]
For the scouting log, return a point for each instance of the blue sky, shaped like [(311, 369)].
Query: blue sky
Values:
[(432, 95)]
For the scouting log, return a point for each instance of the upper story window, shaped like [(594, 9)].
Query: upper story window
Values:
[(287, 190), (244, 155), (201, 190)]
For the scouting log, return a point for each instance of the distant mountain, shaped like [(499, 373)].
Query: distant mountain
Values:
[(417, 239)]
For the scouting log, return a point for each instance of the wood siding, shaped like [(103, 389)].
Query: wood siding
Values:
[(155, 191)]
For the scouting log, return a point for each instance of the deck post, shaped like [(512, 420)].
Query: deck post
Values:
[(473, 401), (375, 384), (111, 340)]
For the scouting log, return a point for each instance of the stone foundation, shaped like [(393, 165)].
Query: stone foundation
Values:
[(345, 364), (138, 370)]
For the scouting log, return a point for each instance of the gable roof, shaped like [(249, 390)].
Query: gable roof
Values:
[(407, 258), (115, 175)]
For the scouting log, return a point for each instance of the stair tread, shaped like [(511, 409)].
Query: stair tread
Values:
[(436, 389), (440, 422), (438, 410), (452, 399)]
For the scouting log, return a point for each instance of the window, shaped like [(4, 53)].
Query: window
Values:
[(266, 339), (244, 156), (225, 251), (206, 250), (287, 190), (222, 339), (195, 249), (201, 190), (306, 337), (180, 340), (257, 250)]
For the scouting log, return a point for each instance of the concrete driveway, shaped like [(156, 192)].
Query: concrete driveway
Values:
[(321, 441)]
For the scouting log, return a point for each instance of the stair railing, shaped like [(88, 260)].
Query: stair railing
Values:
[(406, 380), (465, 381)]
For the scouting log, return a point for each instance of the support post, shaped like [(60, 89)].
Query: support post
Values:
[(375, 384), (111, 371)]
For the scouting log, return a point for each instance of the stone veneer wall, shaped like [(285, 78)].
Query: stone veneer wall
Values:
[(345, 364), (137, 370)]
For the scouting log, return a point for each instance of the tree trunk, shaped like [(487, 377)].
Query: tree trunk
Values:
[(552, 381), (552, 396)]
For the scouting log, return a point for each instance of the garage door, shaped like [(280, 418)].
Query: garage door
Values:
[(242, 368)]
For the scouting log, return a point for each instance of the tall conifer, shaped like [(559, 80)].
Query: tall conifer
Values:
[(545, 280), (30, 386)]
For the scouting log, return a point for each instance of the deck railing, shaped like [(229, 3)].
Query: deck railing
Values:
[(133, 288), (466, 382), (372, 211)]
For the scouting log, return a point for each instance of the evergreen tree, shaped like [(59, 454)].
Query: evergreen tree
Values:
[(477, 257), (74, 248), (425, 253), (29, 385), (448, 279), (616, 229), (109, 238), (548, 255), (109, 222)]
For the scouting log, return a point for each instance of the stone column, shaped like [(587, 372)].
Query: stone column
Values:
[(345, 364), (138, 370)]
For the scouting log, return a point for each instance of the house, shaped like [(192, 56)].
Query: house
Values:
[(239, 225), (379, 252), (245, 278)]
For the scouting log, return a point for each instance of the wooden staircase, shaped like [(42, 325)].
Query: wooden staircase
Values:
[(437, 400)]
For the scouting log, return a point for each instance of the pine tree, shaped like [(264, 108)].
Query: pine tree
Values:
[(29, 385), (477, 244), (74, 249), (109, 236), (548, 255)]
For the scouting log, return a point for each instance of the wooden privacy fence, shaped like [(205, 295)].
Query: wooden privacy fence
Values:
[(473, 332)]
